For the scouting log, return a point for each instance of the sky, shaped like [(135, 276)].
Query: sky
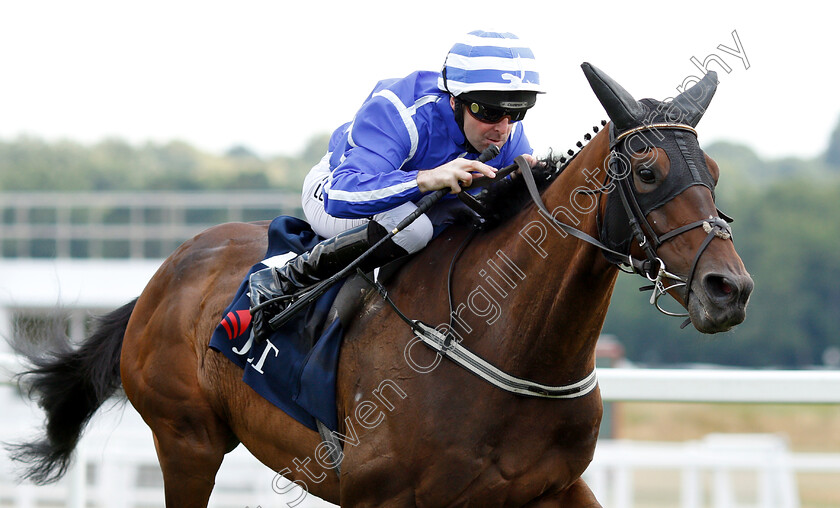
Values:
[(271, 74)]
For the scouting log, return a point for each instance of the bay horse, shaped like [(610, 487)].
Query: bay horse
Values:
[(419, 430)]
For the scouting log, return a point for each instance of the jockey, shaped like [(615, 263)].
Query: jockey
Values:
[(411, 136)]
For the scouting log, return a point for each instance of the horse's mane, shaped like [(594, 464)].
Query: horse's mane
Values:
[(505, 199)]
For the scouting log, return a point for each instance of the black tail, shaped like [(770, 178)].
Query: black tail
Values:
[(70, 385)]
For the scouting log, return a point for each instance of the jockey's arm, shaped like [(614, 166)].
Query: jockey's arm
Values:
[(370, 179)]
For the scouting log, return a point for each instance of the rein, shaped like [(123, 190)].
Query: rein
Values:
[(631, 265), (653, 268)]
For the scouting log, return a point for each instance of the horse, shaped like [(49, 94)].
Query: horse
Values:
[(418, 429)]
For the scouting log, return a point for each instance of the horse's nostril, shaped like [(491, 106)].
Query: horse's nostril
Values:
[(720, 287)]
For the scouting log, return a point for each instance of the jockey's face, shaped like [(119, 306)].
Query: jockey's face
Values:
[(480, 134)]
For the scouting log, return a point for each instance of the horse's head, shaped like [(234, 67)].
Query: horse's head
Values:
[(661, 204)]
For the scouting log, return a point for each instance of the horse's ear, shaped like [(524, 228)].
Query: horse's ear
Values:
[(621, 107), (692, 103)]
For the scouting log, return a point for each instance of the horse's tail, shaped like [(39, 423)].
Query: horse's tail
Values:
[(70, 385)]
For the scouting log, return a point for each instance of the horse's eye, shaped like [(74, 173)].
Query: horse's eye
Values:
[(647, 175)]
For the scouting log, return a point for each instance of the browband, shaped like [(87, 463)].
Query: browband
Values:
[(654, 126)]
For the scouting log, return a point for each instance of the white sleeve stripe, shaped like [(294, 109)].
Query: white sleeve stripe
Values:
[(406, 113), (422, 101), (350, 134), (371, 195)]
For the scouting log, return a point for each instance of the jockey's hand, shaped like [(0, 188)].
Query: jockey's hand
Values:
[(530, 159), (454, 175)]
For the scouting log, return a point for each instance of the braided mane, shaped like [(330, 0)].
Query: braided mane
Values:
[(506, 198)]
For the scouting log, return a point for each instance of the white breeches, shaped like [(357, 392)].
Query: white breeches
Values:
[(413, 238)]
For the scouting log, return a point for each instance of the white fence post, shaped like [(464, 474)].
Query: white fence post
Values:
[(722, 492), (690, 491), (77, 476)]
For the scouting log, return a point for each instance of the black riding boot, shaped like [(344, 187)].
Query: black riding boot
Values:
[(323, 261)]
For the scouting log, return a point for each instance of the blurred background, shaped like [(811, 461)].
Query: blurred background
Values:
[(127, 128)]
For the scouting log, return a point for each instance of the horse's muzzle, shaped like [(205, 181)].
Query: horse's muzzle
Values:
[(719, 301)]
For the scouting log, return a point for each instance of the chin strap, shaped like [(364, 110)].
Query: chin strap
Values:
[(459, 112)]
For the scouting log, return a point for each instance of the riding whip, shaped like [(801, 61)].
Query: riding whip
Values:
[(319, 289)]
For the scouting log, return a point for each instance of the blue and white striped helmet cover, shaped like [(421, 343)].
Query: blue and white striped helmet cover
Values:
[(489, 61)]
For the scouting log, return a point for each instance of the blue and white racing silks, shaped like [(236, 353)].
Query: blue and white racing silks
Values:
[(404, 125)]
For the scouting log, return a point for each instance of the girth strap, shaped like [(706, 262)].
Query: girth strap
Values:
[(336, 456)]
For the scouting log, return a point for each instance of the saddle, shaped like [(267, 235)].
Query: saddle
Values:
[(295, 367)]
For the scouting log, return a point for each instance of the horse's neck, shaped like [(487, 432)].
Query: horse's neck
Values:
[(563, 285)]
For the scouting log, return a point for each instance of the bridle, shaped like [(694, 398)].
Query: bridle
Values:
[(647, 238), (652, 267)]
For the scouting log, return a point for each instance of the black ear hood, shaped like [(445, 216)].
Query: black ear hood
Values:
[(622, 108), (627, 113), (688, 167), (693, 102)]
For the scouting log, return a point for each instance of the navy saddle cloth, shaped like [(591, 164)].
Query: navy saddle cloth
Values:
[(287, 369)]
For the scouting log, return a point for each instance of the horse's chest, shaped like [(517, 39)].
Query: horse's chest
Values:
[(515, 480), (521, 463)]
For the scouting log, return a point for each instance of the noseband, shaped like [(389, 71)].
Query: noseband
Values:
[(693, 173)]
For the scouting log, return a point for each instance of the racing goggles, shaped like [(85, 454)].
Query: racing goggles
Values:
[(489, 114)]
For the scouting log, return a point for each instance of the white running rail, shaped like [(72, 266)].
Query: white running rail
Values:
[(120, 466)]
